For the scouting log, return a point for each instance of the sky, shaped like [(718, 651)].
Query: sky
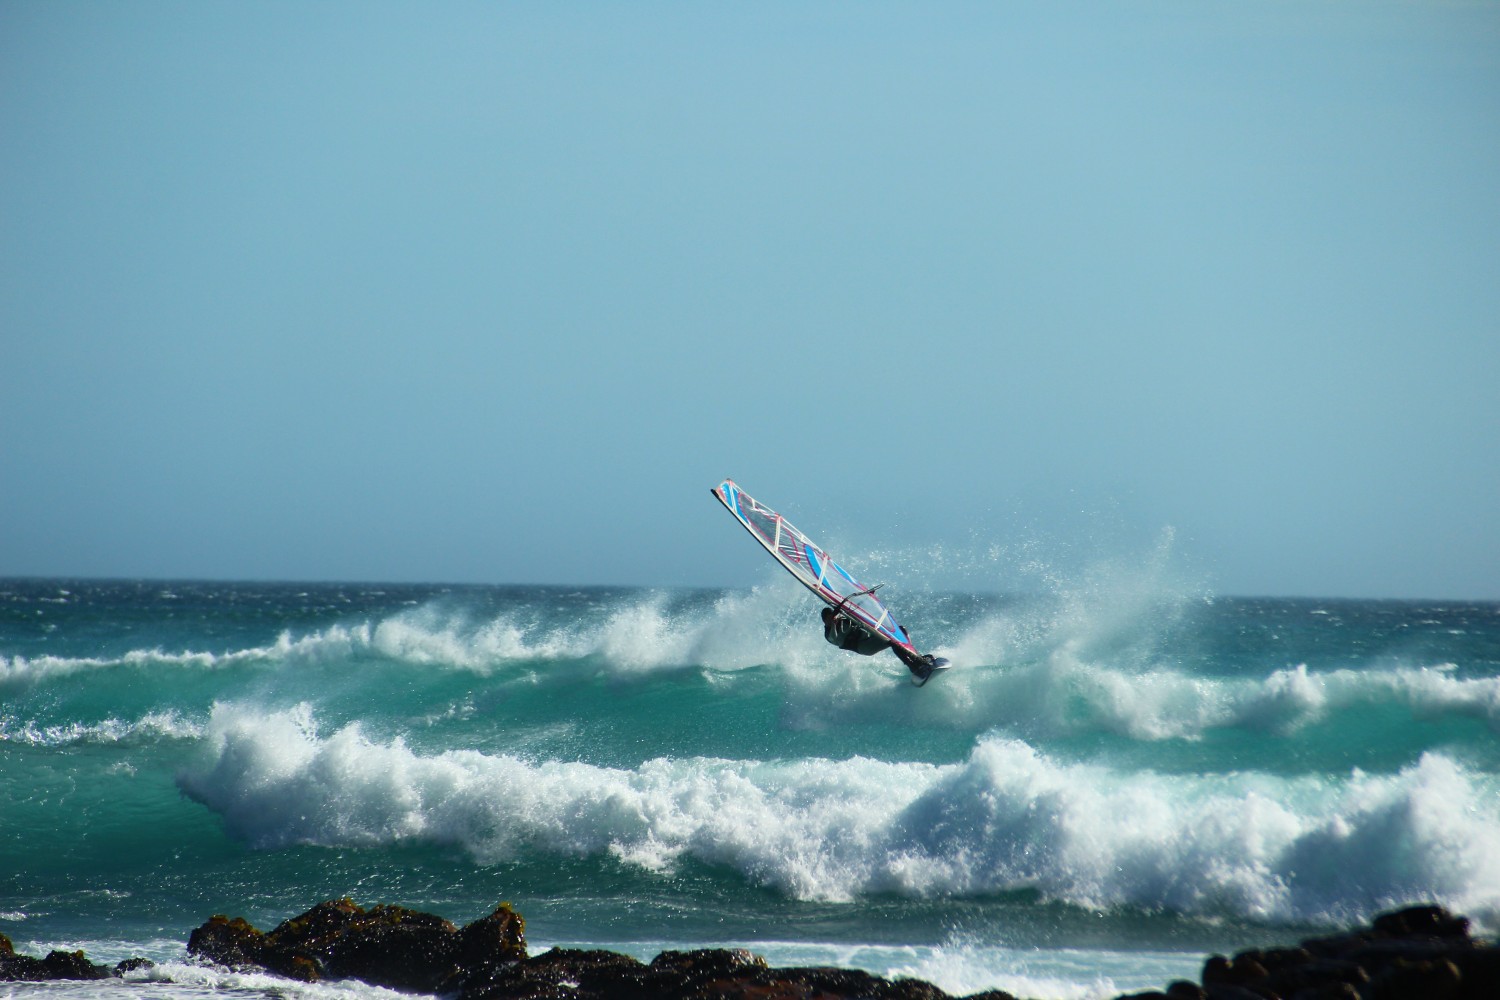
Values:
[(495, 293)]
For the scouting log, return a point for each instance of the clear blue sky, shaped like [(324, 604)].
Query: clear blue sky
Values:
[(496, 292)]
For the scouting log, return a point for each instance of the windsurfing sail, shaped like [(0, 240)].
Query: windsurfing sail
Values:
[(810, 564)]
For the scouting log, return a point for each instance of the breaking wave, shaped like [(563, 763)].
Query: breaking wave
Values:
[(1310, 848), (1062, 694)]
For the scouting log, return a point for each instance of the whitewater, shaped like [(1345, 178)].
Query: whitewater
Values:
[(1112, 781)]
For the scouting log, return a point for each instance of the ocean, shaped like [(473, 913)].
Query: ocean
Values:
[(1109, 784)]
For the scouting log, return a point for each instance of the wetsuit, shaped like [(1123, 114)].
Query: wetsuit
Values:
[(845, 633)]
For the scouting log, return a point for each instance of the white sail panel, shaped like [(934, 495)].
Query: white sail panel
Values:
[(812, 567)]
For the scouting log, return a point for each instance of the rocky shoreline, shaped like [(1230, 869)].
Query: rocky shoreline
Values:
[(1419, 953)]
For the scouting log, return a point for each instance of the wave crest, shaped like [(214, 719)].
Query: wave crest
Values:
[(1006, 818)]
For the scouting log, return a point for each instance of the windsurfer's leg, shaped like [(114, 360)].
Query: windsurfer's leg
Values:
[(916, 663)]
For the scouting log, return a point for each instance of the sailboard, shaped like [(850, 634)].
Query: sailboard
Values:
[(812, 567)]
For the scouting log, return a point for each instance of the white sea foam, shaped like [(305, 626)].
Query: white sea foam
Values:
[(185, 980), (1066, 694), (1086, 656), (1051, 974), (175, 976), (640, 634), (1253, 845), (29, 669), (183, 977), (332, 641), (1059, 684), (151, 726)]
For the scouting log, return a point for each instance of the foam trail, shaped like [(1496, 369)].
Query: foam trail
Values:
[(1064, 694), (646, 633), (152, 726), (334, 642), (18, 670), (187, 978), (640, 634), (1251, 845), (1064, 691), (1087, 656)]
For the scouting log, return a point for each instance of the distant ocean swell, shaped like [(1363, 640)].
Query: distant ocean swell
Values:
[(632, 635), (1301, 849), (1060, 684), (1054, 698)]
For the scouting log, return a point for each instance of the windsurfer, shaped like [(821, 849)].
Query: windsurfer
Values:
[(845, 633)]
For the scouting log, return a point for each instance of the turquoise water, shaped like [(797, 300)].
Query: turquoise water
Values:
[(1106, 785)]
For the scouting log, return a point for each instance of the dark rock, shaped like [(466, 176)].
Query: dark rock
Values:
[(499, 937), (708, 974), (1379, 955), (1430, 980), (73, 965), (385, 945), (710, 962), (1432, 921), (1318, 973), (1229, 991), (1417, 953), (236, 943), (1480, 968), (393, 947), (703, 972), (1274, 960), (232, 942), (839, 982), (1243, 970), (486, 947), (1335, 991), (1338, 945), (1423, 953), (574, 973), (57, 965), (834, 983)]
